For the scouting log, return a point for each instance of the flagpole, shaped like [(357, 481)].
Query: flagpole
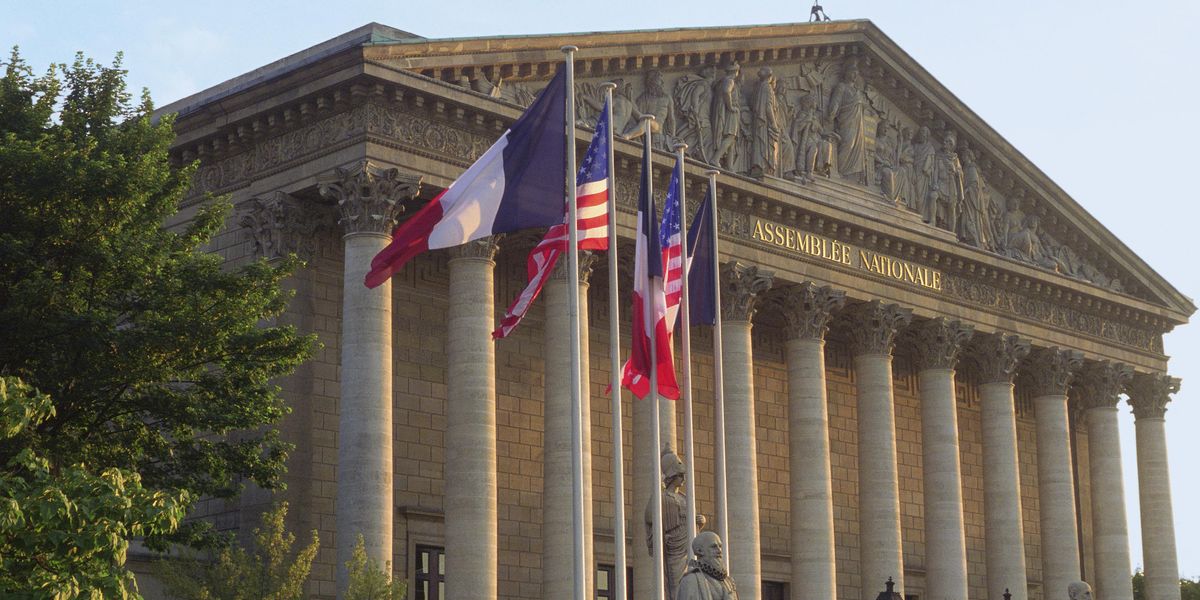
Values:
[(722, 515), (655, 418), (614, 353), (573, 316), (685, 332)]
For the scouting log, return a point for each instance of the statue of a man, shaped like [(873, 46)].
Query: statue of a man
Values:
[(674, 521), (726, 116), (765, 146), (887, 158), (693, 104), (975, 221), (1079, 590), (654, 101), (923, 151), (706, 578), (848, 106), (946, 185), (815, 152)]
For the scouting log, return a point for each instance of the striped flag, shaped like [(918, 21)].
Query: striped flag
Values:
[(591, 199), (669, 236)]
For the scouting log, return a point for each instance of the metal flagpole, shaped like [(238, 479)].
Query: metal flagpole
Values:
[(718, 381), (573, 317), (655, 419), (685, 332), (614, 352)]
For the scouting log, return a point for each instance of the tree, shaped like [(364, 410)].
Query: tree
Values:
[(270, 570), (62, 527), (153, 353), (367, 581), (1189, 589)]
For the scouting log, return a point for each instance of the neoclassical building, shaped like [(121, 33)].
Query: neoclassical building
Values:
[(926, 339)]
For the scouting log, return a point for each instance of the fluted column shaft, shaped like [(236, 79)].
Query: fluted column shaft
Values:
[(1051, 371), (557, 539), (997, 356), (1099, 386), (873, 329), (471, 483), (807, 310), (938, 342), (1149, 395)]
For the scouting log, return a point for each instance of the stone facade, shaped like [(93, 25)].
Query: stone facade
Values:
[(848, 170)]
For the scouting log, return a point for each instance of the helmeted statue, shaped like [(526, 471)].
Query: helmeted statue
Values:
[(726, 117), (706, 578), (674, 521)]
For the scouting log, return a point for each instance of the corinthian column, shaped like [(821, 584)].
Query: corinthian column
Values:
[(740, 288), (997, 356), (1050, 372), (470, 500), (368, 200), (1149, 395), (1099, 385), (807, 309), (557, 538), (873, 329), (938, 342)]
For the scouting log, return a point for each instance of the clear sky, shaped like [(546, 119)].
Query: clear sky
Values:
[(1097, 93)]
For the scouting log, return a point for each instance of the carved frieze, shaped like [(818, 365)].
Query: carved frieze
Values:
[(1149, 394), (741, 286), (938, 342), (280, 225), (807, 309), (1100, 383), (1050, 370), (872, 326), (996, 356), (369, 198)]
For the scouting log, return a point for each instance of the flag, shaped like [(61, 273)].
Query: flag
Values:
[(515, 185), (669, 239), (592, 218), (649, 304), (702, 245)]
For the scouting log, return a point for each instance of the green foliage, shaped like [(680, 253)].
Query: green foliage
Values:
[(1189, 589), (64, 529), (270, 570), (369, 582), (152, 351)]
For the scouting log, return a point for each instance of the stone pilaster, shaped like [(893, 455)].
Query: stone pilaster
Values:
[(1149, 395), (471, 481), (937, 345), (807, 309), (996, 357), (741, 287), (1099, 385), (368, 201), (1050, 371), (873, 329), (557, 523)]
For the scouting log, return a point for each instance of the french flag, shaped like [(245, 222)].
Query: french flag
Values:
[(516, 184), (650, 331), (703, 299)]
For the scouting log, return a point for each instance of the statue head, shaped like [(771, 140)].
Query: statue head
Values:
[(882, 129), (673, 471), (733, 68), (922, 135), (707, 548), (1079, 590), (654, 82), (764, 73), (808, 101), (949, 141)]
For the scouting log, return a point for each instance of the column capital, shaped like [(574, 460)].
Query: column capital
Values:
[(807, 309), (1100, 383), (997, 356), (1051, 369), (740, 287), (939, 341), (368, 196), (1149, 394), (481, 249), (874, 325), (281, 224), (587, 262)]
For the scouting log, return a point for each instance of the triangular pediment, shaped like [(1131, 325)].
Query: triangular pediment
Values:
[(825, 104)]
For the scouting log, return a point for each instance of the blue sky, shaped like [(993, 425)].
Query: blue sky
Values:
[(1097, 93)]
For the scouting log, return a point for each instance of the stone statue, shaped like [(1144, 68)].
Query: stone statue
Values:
[(674, 521), (623, 108), (654, 101), (765, 143), (706, 578), (848, 106), (787, 149), (815, 152), (1026, 245), (1079, 590), (945, 186), (482, 85), (693, 107), (726, 117), (922, 170), (905, 185), (975, 222), (887, 155), (1007, 227)]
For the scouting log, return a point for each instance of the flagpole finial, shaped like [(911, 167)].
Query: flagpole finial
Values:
[(607, 85), (569, 49), (680, 147), (647, 117), (712, 172)]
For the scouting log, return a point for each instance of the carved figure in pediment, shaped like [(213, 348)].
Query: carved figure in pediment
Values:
[(727, 117), (905, 184), (654, 101), (815, 147), (693, 107), (1007, 227), (765, 141), (978, 215), (946, 185), (848, 107), (1026, 245), (623, 108), (483, 85), (922, 172), (887, 158), (787, 149)]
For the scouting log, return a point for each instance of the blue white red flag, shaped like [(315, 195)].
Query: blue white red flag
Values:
[(702, 281), (591, 198), (650, 331), (515, 185)]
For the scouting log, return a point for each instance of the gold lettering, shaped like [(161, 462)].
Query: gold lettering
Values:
[(937, 281), (758, 230), (791, 239), (908, 273)]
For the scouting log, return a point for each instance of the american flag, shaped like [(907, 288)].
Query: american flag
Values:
[(669, 234), (592, 222)]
